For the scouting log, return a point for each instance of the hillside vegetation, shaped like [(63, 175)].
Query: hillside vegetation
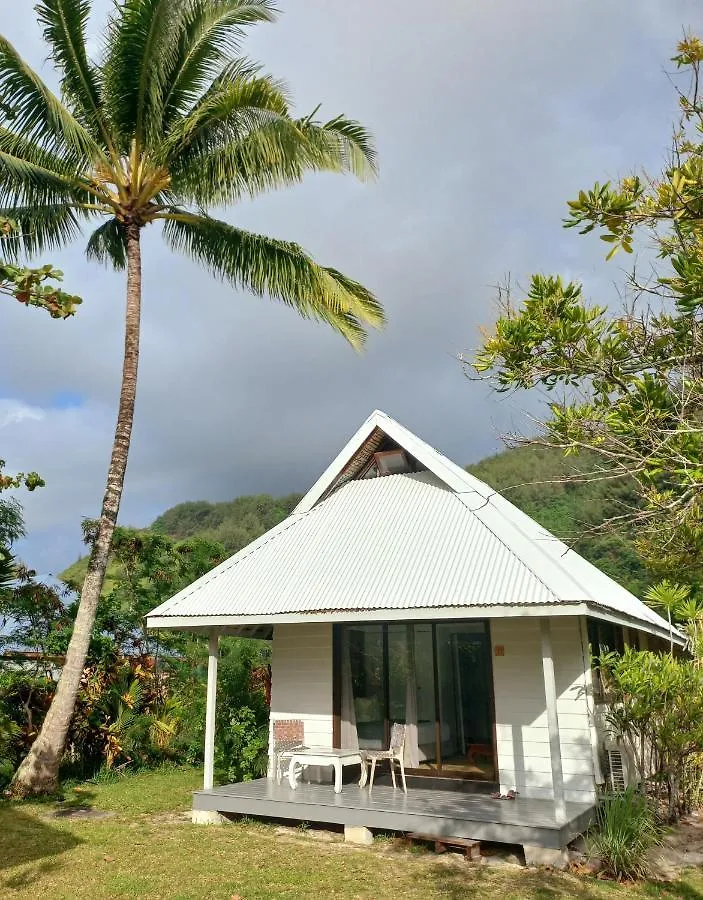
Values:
[(535, 479), (530, 477), (234, 523)]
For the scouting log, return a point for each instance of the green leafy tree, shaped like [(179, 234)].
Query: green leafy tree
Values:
[(628, 385), (30, 480), (33, 287), (169, 123)]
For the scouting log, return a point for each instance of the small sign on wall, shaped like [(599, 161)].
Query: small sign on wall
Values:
[(499, 650)]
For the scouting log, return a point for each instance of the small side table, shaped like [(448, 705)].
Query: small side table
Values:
[(323, 756)]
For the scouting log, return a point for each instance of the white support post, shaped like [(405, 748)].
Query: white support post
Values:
[(550, 694), (210, 710)]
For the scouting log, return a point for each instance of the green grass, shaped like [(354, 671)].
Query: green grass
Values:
[(146, 847)]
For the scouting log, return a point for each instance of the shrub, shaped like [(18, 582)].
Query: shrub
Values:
[(624, 833), (656, 707), (241, 752)]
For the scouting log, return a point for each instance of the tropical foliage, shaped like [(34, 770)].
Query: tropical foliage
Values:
[(33, 287), (141, 698), (656, 707), (627, 385)]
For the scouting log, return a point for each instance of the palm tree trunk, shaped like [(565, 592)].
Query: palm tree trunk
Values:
[(39, 771)]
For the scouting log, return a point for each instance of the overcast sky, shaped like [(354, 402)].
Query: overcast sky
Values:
[(487, 115)]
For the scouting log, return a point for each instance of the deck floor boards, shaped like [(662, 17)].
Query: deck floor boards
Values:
[(443, 812)]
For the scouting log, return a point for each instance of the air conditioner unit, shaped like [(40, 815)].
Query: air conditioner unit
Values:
[(617, 770), (621, 768)]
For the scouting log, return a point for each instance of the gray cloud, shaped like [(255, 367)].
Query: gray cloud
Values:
[(488, 117)]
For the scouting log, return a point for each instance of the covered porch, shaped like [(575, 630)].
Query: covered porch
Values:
[(438, 803), (436, 813)]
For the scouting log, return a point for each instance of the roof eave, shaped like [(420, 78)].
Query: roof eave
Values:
[(232, 623)]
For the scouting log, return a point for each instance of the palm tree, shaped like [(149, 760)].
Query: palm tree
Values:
[(668, 597), (171, 122)]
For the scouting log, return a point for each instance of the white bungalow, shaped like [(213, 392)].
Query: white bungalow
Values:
[(403, 589)]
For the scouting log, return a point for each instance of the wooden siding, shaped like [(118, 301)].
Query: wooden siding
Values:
[(301, 678), (522, 733)]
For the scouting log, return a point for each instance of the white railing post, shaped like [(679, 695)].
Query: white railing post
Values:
[(209, 775)]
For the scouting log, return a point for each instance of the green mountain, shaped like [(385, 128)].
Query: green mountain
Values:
[(234, 523), (530, 477)]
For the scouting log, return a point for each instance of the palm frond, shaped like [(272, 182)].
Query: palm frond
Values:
[(278, 269), (64, 24), (41, 228), (29, 174), (278, 153), (240, 102), (36, 113), (344, 143), (211, 34), (23, 183), (142, 40), (107, 245)]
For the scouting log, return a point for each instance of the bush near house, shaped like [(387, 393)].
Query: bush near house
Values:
[(624, 833)]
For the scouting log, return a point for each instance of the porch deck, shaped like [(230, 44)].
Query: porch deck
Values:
[(441, 813)]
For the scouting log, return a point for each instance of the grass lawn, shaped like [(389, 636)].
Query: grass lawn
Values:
[(144, 846)]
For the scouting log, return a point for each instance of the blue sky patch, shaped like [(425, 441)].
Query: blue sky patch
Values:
[(66, 400)]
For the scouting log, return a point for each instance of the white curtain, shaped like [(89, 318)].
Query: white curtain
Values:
[(348, 733), (412, 751)]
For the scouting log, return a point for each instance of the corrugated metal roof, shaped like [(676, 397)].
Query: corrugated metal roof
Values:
[(422, 541), (401, 541)]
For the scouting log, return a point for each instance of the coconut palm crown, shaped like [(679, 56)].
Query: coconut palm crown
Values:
[(169, 123)]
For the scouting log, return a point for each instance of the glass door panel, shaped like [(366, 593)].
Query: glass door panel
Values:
[(425, 688), (398, 672), (368, 684), (436, 679)]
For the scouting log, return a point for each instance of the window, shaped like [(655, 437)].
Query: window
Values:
[(603, 637)]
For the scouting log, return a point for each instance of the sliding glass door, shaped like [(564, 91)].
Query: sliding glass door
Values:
[(434, 677)]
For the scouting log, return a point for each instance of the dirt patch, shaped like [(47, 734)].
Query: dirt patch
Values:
[(682, 848), (313, 834), (81, 812)]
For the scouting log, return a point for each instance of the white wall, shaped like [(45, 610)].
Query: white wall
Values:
[(522, 732), (301, 679)]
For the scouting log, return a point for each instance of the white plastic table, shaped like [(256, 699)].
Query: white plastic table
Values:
[(323, 756)]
